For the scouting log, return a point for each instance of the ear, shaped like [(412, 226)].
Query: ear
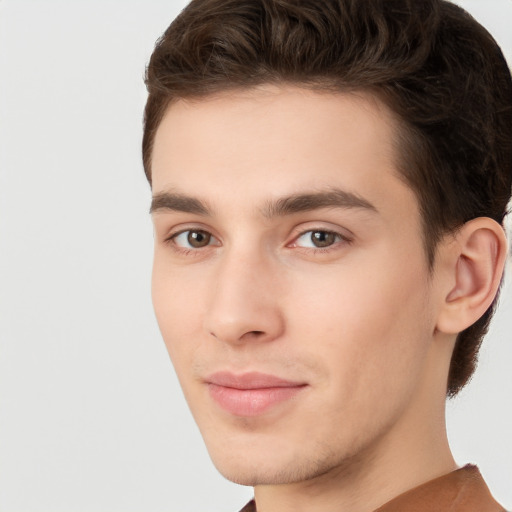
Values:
[(473, 264)]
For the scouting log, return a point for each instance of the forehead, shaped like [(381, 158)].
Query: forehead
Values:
[(272, 141)]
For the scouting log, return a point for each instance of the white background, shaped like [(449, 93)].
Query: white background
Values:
[(91, 415)]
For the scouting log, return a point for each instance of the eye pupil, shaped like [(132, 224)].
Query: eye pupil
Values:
[(322, 238), (198, 238)]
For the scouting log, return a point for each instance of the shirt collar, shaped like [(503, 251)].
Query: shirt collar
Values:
[(463, 490)]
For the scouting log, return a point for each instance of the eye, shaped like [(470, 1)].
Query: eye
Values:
[(194, 239), (318, 239)]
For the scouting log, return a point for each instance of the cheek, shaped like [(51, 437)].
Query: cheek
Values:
[(368, 326), (177, 297)]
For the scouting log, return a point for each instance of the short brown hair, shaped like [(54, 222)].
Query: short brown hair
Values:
[(432, 64)]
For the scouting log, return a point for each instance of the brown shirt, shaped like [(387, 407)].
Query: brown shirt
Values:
[(463, 490)]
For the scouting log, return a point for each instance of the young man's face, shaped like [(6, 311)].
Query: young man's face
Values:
[(290, 281)]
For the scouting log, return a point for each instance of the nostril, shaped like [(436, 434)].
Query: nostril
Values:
[(254, 335)]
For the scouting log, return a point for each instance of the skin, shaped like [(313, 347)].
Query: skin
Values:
[(361, 322)]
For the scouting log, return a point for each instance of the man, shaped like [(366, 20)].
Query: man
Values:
[(329, 181)]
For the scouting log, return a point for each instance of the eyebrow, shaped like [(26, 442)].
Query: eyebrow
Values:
[(179, 203), (295, 203), (331, 198)]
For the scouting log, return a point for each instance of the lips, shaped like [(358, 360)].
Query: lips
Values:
[(250, 394)]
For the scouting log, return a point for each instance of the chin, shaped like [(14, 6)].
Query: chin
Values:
[(272, 467), (252, 475)]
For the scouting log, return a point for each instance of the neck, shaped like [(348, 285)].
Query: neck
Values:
[(353, 489), (364, 484), (413, 451)]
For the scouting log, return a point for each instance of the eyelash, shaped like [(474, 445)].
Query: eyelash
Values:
[(339, 238), (171, 240)]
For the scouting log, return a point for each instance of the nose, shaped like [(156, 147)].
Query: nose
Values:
[(244, 304)]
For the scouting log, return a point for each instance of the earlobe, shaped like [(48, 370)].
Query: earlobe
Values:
[(477, 259)]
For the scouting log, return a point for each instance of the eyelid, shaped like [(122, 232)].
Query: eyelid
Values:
[(343, 233), (169, 230), (339, 240), (343, 237), (176, 231)]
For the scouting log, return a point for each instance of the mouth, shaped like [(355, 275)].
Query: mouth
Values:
[(250, 394)]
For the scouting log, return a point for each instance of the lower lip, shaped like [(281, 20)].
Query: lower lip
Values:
[(251, 402)]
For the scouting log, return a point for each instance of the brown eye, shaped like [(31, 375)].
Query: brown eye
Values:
[(318, 239), (198, 239), (193, 239), (323, 238)]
